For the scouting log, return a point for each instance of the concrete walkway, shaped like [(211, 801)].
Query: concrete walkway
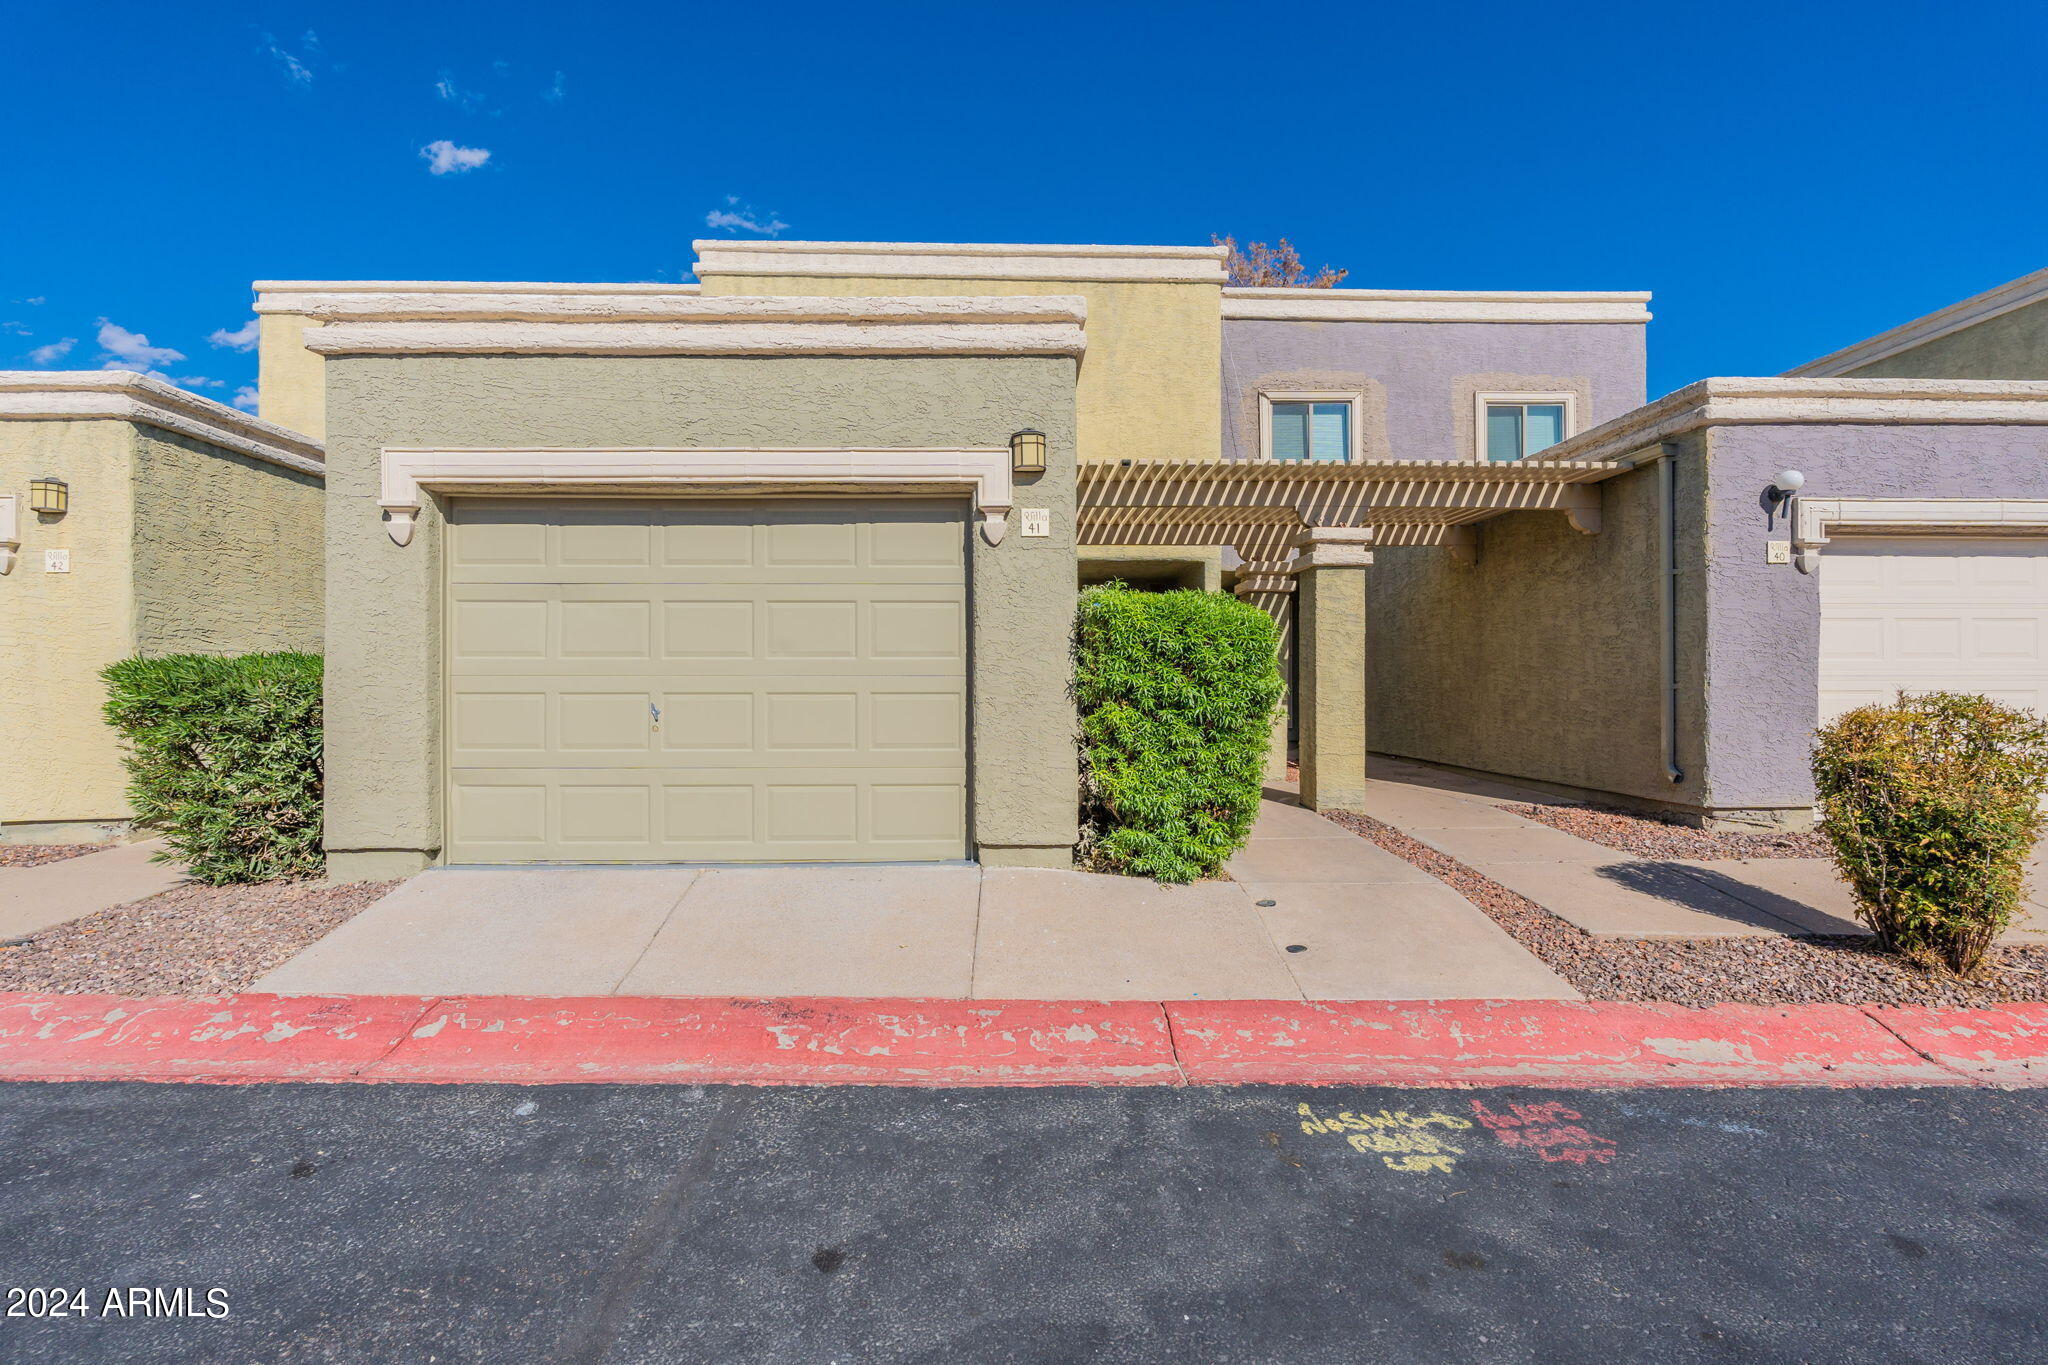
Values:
[(1614, 894), (34, 898), (1314, 913)]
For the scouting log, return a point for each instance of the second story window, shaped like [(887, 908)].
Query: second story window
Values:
[(1310, 426), (1514, 425)]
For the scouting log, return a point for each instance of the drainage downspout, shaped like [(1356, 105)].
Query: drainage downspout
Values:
[(1667, 603), (1667, 555)]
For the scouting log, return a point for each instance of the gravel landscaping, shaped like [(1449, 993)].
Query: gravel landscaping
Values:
[(35, 855), (189, 940), (1650, 837), (1748, 971)]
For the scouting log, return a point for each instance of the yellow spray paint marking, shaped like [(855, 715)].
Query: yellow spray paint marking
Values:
[(1403, 1141)]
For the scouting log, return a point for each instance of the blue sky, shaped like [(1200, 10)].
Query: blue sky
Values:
[(1786, 178)]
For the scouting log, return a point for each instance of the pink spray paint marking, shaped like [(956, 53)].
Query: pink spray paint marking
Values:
[(1545, 1129)]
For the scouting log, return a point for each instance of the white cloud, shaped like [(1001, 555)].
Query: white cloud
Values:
[(738, 217), (198, 381), (444, 157), (243, 338), (554, 93), (121, 349), (36, 302), (469, 101), (20, 329), (54, 352), (245, 398), (297, 71)]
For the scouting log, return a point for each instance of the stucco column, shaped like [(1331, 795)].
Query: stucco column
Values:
[(1270, 588), (1329, 570)]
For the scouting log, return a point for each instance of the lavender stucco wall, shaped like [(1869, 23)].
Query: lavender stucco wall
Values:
[(1763, 642), (1412, 372)]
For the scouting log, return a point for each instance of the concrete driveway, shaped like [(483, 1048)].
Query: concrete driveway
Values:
[(1313, 912)]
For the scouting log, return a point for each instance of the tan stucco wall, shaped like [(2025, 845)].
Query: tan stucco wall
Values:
[(384, 789), (58, 760), (2009, 346), (290, 387), (1543, 659), (1155, 350), (229, 555)]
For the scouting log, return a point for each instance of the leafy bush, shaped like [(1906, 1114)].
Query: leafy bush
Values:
[(224, 760), (1175, 690), (1932, 804)]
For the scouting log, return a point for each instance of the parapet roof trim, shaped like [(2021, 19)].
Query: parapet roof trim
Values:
[(1921, 330), (1247, 303), (1759, 401), (121, 395), (964, 260), (466, 287)]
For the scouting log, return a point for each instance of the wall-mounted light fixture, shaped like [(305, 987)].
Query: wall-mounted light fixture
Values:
[(1027, 452), (52, 497), (1788, 482)]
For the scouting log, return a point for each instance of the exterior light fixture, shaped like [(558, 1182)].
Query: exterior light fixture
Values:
[(1782, 489), (49, 496), (1027, 452)]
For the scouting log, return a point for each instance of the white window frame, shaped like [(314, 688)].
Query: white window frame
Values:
[(1480, 402), (1355, 399)]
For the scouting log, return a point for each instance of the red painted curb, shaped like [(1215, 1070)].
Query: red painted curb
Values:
[(1478, 1042), (786, 1042), (247, 1038), (2003, 1046), (212, 1038)]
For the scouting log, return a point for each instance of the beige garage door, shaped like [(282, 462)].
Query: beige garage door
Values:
[(1933, 612), (770, 680)]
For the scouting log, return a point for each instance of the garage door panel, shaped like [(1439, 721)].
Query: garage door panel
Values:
[(1927, 613), (707, 682)]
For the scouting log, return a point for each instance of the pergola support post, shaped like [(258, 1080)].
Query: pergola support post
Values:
[(1329, 570)]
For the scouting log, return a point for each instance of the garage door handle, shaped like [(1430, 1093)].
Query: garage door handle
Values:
[(654, 711)]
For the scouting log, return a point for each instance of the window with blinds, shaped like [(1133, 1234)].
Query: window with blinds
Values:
[(1310, 431), (1514, 430)]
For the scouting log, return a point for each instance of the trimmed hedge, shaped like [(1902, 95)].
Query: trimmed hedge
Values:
[(1176, 693), (224, 760), (1933, 804)]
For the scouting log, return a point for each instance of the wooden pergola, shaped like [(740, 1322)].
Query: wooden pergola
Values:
[(1304, 532)]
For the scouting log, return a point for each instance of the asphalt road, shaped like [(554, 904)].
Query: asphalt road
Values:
[(422, 1223)]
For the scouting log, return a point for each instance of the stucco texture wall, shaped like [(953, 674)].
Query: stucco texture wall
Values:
[(229, 555), (2010, 346), (384, 601), (1542, 660), (1762, 668), (57, 631), (1147, 387), (291, 388), (1419, 378)]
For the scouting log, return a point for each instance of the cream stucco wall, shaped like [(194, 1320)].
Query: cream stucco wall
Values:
[(176, 546), (228, 551), (384, 601), (1147, 387), (58, 630), (291, 386)]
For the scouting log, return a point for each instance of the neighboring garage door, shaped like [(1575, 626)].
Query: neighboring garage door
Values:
[(770, 680), (1933, 612)]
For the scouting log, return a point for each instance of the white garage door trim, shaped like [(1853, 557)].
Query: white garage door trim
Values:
[(1821, 518), (982, 472)]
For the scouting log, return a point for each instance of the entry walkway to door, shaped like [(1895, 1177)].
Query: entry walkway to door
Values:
[(1314, 912)]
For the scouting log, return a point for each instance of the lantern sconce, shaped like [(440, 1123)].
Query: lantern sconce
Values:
[(1027, 452), (51, 497)]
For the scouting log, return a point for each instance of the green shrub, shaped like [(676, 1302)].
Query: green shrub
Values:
[(1175, 691), (223, 760), (1932, 804)]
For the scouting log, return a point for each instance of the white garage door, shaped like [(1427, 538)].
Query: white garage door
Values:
[(1933, 612)]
